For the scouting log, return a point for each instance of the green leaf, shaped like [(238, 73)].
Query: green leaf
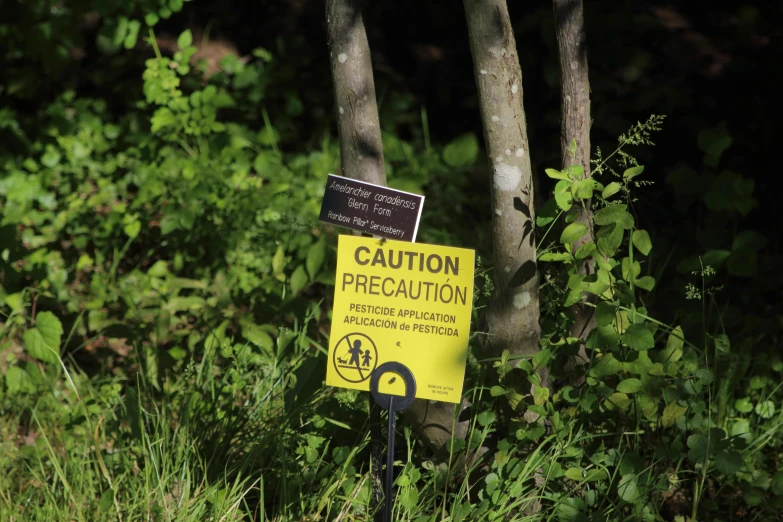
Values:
[(16, 380), (556, 174), (541, 358), (485, 418), (497, 391), (630, 270), (649, 407), (743, 263), (315, 257), (563, 195), (151, 19), (576, 172), (631, 173), (409, 498), (629, 385), (299, 279), (169, 224), (671, 413), (120, 32), (574, 474), (714, 141), (628, 489), (15, 301), (722, 344), (595, 475), (573, 232), (641, 240), (751, 495), (605, 313), (548, 213), (645, 283), (183, 303), (256, 335), (278, 261), (743, 405), (403, 480), (728, 462), (51, 157), (159, 269), (177, 353), (610, 214), (573, 297), (611, 189), (606, 365), (673, 350), (133, 228), (554, 256), (741, 429), (699, 446), (107, 501), (748, 240), (185, 39), (618, 400), (585, 250), (43, 341), (133, 34), (583, 188), (776, 483), (638, 337), (765, 409), (462, 152), (609, 242)]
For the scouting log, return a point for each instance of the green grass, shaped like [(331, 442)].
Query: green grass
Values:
[(84, 449), (242, 434)]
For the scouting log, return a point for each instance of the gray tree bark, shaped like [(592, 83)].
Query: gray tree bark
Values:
[(512, 317), (361, 150), (575, 134), (361, 156)]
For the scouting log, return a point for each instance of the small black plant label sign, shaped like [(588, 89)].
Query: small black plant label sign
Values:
[(377, 210)]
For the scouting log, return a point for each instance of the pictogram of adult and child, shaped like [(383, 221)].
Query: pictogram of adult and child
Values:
[(355, 357)]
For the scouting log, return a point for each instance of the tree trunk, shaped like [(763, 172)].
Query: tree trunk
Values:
[(575, 135), (361, 150), (512, 317)]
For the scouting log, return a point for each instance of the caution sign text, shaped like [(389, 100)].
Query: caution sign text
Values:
[(404, 302)]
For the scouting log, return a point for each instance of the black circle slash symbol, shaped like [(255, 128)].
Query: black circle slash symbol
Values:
[(355, 357)]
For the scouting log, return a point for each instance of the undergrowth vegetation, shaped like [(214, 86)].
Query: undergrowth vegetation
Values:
[(165, 294)]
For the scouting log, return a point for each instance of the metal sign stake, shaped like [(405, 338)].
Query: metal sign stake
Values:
[(388, 402)]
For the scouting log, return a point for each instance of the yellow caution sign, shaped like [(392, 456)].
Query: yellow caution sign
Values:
[(404, 302)]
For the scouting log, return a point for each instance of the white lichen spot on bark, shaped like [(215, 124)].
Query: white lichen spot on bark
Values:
[(520, 152), (574, 65), (495, 119), (498, 159), (498, 212), (507, 177), (521, 300), (514, 88), (483, 71), (342, 57), (503, 51), (507, 269), (341, 110), (508, 152)]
